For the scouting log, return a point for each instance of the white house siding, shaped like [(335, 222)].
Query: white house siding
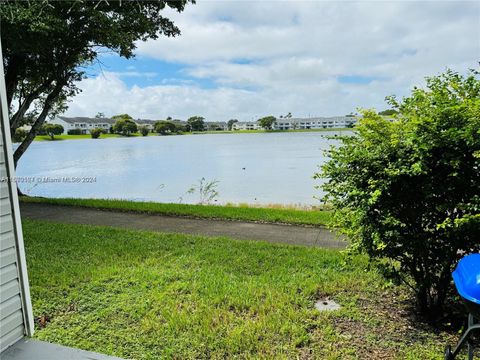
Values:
[(301, 123), (84, 125), (15, 308), (248, 125), (315, 123), (11, 315)]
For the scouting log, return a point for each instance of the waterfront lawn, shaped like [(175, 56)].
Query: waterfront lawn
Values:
[(88, 136), (239, 213), (146, 295), (83, 136), (261, 131)]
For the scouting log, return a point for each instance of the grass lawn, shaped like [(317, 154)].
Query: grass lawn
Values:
[(145, 295), (244, 213), (264, 131), (83, 136), (87, 136)]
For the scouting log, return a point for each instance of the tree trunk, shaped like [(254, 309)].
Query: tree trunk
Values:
[(18, 116), (11, 77), (49, 101), (19, 192)]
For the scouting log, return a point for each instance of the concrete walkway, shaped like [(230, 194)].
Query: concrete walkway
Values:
[(28, 349), (276, 233)]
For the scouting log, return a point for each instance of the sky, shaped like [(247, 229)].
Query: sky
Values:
[(247, 59)]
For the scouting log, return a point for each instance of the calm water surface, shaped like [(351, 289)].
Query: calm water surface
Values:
[(250, 168)]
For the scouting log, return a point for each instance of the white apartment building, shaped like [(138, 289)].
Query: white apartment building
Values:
[(301, 123), (246, 125), (85, 124), (315, 123)]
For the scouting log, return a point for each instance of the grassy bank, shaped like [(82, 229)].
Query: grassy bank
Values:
[(264, 131), (82, 137), (87, 136), (145, 295), (243, 213)]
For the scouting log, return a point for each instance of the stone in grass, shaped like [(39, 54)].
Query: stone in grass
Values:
[(326, 305)]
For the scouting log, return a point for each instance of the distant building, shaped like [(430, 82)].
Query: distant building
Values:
[(216, 126), (145, 122), (301, 123), (85, 124), (315, 123), (246, 125)]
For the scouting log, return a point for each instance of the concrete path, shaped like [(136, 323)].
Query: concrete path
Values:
[(28, 349), (276, 233)]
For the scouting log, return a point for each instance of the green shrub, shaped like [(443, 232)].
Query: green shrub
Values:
[(19, 135), (407, 191), (125, 127), (95, 133), (267, 122), (74, 132), (164, 127), (142, 129), (52, 130)]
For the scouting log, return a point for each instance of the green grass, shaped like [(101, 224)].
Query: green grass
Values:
[(261, 131), (143, 295), (243, 213), (87, 136), (83, 136)]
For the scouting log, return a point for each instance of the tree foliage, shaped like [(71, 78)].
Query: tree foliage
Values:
[(95, 133), (52, 130), (407, 191), (388, 112), (46, 44), (125, 126), (230, 123), (196, 123), (164, 127), (122, 117), (142, 129), (75, 131), (19, 135), (267, 122)]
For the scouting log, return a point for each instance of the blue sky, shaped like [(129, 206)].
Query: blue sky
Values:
[(241, 60), (145, 71)]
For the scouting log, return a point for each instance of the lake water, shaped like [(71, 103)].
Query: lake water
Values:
[(250, 168)]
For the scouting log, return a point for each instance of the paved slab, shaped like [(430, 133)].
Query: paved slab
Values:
[(286, 234), (28, 349)]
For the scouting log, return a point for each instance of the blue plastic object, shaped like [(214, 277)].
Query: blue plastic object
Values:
[(467, 278)]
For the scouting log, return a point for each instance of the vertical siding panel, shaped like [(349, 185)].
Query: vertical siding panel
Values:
[(16, 318)]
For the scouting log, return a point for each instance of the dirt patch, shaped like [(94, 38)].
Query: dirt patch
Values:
[(387, 325)]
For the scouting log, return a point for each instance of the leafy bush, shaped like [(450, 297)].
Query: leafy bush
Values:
[(164, 127), (95, 133), (196, 123), (41, 130), (19, 135), (125, 127), (74, 132), (267, 122), (143, 130), (407, 191), (52, 130), (388, 112)]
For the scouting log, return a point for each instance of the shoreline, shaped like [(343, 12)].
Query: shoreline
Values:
[(241, 212), (113, 136)]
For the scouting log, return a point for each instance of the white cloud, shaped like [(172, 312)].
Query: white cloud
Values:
[(280, 56)]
